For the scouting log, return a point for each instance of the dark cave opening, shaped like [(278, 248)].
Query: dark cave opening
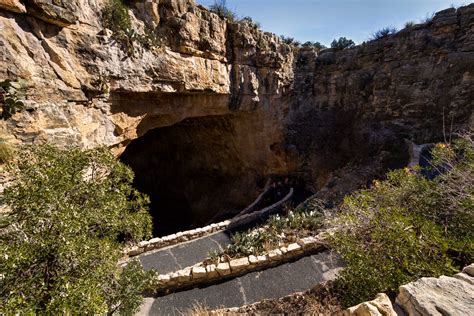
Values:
[(192, 172)]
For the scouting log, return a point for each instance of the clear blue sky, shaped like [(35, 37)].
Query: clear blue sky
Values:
[(324, 20)]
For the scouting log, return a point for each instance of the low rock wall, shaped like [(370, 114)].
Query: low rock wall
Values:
[(235, 223), (170, 240), (203, 273)]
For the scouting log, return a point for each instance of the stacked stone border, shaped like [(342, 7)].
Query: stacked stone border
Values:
[(204, 274), (239, 221), (170, 240)]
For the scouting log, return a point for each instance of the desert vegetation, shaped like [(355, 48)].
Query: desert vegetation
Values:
[(342, 43), (115, 16), (382, 33), (278, 231), (400, 229), (10, 98), (317, 45), (221, 9), (407, 227), (6, 151), (70, 214)]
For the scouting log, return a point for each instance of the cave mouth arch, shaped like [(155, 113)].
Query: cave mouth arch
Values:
[(193, 172)]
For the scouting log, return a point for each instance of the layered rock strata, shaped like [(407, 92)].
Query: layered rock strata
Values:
[(239, 104)]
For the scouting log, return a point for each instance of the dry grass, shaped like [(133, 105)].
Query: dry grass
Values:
[(198, 309), (6, 152)]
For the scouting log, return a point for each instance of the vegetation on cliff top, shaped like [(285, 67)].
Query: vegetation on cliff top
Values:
[(71, 212), (342, 43), (115, 16)]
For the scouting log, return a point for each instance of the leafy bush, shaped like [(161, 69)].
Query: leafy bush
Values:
[(342, 43), (11, 103), (408, 227), (384, 33), (71, 213), (220, 8), (290, 41), (409, 24), (317, 45), (116, 18), (6, 152), (254, 24)]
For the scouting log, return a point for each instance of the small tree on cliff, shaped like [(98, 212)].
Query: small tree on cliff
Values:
[(342, 43), (220, 8), (71, 211)]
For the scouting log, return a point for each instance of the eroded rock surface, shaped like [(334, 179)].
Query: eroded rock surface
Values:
[(286, 111), (439, 296)]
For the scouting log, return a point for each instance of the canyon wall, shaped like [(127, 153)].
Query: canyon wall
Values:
[(218, 107), (354, 103)]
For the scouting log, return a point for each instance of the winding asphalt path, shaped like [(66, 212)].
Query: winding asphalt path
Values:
[(275, 282), (183, 255)]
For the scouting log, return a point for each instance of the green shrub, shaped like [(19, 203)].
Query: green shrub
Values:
[(317, 45), (6, 152), (409, 24), (220, 8), (290, 41), (384, 33), (342, 43), (254, 24), (408, 227), (116, 18), (71, 213), (11, 103)]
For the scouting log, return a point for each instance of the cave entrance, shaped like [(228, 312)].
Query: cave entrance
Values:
[(192, 172)]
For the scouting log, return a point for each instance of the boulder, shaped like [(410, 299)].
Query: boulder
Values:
[(439, 296), (380, 306)]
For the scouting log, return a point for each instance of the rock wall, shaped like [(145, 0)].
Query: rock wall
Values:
[(286, 111), (354, 103)]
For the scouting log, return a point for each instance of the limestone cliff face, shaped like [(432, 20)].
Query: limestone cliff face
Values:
[(223, 104), (62, 54), (357, 102)]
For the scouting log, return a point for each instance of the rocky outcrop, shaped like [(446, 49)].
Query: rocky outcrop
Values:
[(380, 306), (13, 5), (439, 296), (238, 103), (427, 296), (354, 103)]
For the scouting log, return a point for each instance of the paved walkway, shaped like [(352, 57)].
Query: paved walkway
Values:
[(183, 255), (250, 288)]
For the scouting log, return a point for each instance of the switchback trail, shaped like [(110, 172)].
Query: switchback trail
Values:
[(275, 282)]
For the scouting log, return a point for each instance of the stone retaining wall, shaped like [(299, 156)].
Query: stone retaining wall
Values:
[(203, 273), (237, 222), (161, 242)]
